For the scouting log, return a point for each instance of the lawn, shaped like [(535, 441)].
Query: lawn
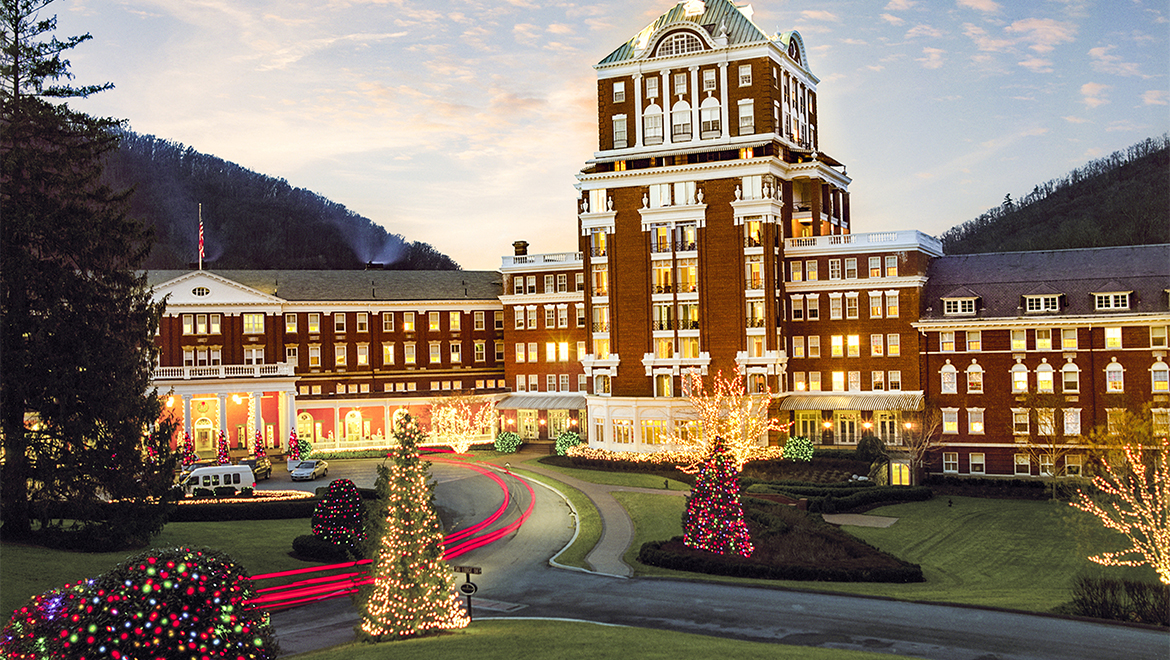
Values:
[(629, 479), (656, 517), (260, 546), (573, 640)]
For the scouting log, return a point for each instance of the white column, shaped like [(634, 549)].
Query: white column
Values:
[(187, 414), (637, 127), (337, 430), (667, 90), (259, 420), (290, 416), (725, 113), (695, 100), (222, 416)]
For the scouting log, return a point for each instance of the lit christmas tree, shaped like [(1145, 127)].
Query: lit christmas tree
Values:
[(714, 517), (338, 517), (221, 450), (413, 590), (294, 446), (258, 446), (187, 455)]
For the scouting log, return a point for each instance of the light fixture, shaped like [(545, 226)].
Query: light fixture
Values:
[(170, 402), (827, 425), (236, 399)]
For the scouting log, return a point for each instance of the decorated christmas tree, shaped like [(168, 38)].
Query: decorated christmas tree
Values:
[(221, 450), (258, 446), (413, 590), (294, 446), (338, 517), (714, 517), (187, 455)]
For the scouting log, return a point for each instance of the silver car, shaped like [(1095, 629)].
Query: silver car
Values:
[(309, 470)]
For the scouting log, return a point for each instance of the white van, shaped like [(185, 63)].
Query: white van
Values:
[(211, 477)]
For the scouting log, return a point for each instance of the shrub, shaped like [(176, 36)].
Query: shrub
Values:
[(831, 498), (338, 517), (1121, 600), (871, 449), (247, 492), (508, 442), (798, 448), (225, 491), (310, 546), (258, 509), (187, 594), (203, 492), (565, 440)]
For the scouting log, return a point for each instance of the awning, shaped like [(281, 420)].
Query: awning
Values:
[(839, 401), (542, 402)]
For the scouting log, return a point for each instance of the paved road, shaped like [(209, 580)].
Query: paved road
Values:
[(517, 581)]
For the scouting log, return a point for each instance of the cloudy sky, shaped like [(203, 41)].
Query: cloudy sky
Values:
[(462, 122)]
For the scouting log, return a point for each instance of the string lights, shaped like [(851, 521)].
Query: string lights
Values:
[(258, 446), (714, 517), (413, 590), (221, 450), (337, 518)]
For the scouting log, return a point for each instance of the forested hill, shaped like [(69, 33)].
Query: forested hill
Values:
[(1122, 199), (249, 220)]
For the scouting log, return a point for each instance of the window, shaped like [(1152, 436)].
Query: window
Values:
[(1019, 340), (435, 352), (798, 347), (290, 322), (1020, 423), (975, 421), (1160, 376), (745, 75), (623, 431), (456, 352), (974, 340), (290, 354), (408, 353), (834, 269), (946, 342), (1044, 378), (253, 324), (876, 345), (799, 383), (1112, 337), (974, 379), (480, 351), (408, 321), (851, 268), (958, 306), (550, 382), (810, 270), (814, 346), (433, 322), (499, 351), (363, 322), (708, 80), (895, 380), (834, 306), (339, 322), (747, 120), (388, 322), (388, 353), (1158, 336), (797, 308), (1068, 339), (680, 83), (1160, 422), (853, 345), (652, 87), (877, 381), (1115, 420), (1070, 378), (1045, 465), (1043, 339), (619, 92), (619, 131), (893, 345), (1046, 422), (1111, 300), (1073, 464), (314, 356), (838, 381), (875, 266), (314, 323), (813, 303), (837, 346), (680, 122), (214, 324), (1041, 303), (854, 381), (531, 314), (875, 305), (455, 321), (950, 462), (978, 463), (814, 381), (892, 266), (580, 315), (795, 271), (1019, 379), (850, 306), (950, 379), (1072, 422), (339, 356), (1114, 377), (550, 316), (499, 320), (892, 304)]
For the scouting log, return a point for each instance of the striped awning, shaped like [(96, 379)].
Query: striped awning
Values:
[(859, 401), (542, 401)]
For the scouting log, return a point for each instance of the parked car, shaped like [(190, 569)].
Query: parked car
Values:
[(309, 470), (261, 467), (212, 477)]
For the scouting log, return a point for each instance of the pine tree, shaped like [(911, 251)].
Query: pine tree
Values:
[(413, 590), (714, 517), (77, 320), (222, 456), (258, 447), (338, 517)]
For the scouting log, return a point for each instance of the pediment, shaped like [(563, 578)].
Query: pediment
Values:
[(203, 288)]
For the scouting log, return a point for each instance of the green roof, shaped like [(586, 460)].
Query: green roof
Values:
[(716, 15)]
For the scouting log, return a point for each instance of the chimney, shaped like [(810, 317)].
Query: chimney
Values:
[(370, 265), (521, 248)]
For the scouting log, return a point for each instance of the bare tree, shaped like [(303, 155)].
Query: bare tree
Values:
[(728, 412), (1049, 446), (461, 420), (921, 436)]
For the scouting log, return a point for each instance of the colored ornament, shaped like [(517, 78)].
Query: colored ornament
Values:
[(714, 517)]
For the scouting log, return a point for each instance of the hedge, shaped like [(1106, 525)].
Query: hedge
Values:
[(309, 546), (654, 554), (831, 498), (258, 510), (1122, 600)]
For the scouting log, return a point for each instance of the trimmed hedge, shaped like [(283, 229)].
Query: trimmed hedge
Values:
[(508, 442), (309, 546), (668, 554), (831, 498), (257, 510), (1121, 600)]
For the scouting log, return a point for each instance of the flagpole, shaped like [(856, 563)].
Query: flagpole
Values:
[(200, 235)]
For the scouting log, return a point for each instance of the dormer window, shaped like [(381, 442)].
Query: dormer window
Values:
[(958, 306), (1041, 304), (679, 43), (1112, 300)]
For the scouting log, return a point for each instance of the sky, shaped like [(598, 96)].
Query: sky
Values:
[(462, 123)]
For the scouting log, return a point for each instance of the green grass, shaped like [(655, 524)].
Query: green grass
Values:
[(588, 521), (656, 517), (260, 546), (629, 479), (571, 640)]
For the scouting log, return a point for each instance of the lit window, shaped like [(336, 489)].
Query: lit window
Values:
[(339, 356), (408, 353), (433, 322), (1158, 336), (946, 342), (314, 323), (314, 356), (798, 347), (975, 421), (891, 266), (892, 304), (408, 321), (838, 381), (253, 324), (188, 324), (480, 351), (1160, 376), (876, 345), (950, 421), (1019, 379), (974, 379), (215, 324), (1044, 379), (814, 381), (455, 321), (1114, 377), (363, 354), (1043, 339), (875, 266), (456, 351), (974, 340), (893, 345), (950, 461), (290, 322), (1112, 337), (853, 343), (810, 270), (837, 346), (435, 352), (875, 305), (1019, 340), (795, 271), (388, 353), (1068, 339)]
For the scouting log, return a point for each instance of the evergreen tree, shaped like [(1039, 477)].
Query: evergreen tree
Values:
[(77, 321), (338, 517), (714, 517), (413, 590), (222, 456)]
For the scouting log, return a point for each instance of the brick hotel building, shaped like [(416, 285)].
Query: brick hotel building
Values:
[(714, 234)]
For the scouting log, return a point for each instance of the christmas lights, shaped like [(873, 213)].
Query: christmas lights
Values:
[(1139, 508), (799, 448), (413, 590), (459, 420), (666, 459), (187, 455), (160, 604), (258, 446), (714, 517), (221, 450), (738, 419), (257, 496), (338, 517)]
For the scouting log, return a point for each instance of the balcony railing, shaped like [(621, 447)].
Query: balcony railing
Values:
[(755, 323), (224, 371), (662, 288), (684, 246), (663, 325), (597, 251), (600, 327), (537, 259), (659, 247)]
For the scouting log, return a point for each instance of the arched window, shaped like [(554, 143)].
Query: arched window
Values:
[(1044, 378), (710, 115), (974, 379), (1070, 378), (353, 426), (950, 378), (203, 431), (680, 122), (1160, 376), (1019, 378), (679, 43), (1114, 377), (305, 426), (652, 124)]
